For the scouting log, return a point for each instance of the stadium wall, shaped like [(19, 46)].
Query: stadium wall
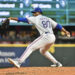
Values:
[(65, 53)]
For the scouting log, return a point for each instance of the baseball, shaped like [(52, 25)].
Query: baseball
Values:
[(68, 35)]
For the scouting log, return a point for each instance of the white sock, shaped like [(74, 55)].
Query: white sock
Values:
[(50, 57)]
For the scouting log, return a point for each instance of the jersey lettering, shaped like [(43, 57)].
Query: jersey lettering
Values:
[(46, 24)]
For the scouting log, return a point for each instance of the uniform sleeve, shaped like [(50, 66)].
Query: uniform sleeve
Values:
[(31, 20), (53, 23), (22, 19), (59, 26)]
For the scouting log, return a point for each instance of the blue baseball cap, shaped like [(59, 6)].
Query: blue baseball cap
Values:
[(37, 10)]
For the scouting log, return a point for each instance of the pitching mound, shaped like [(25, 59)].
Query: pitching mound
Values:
[(38, 71)]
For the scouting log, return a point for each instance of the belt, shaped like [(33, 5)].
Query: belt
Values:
[(47, 32)]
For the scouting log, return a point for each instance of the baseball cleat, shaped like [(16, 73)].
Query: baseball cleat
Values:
[(15, 63), (57, 65)]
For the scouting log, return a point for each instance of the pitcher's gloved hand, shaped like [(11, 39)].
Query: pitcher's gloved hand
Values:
[(5, 24)]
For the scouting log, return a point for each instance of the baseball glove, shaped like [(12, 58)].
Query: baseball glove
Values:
[(5, 24)]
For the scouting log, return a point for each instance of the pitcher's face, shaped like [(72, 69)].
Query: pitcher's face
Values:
[(36, 13)]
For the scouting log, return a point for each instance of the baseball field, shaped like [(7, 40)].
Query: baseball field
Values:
[(38, 71), (44, 69)]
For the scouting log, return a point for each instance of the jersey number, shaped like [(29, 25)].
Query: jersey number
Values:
[(46, 24)]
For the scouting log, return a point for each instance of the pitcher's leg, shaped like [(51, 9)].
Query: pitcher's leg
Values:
[(50, 57), (47, 54), (36, 44), (32, 47), (25, 55)]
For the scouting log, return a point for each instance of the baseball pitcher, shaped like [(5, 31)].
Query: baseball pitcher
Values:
[(45, 26)]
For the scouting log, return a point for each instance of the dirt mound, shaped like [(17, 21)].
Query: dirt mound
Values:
[(38, 71)]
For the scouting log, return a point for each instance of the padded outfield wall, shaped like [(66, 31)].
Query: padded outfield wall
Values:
[(65, 53)]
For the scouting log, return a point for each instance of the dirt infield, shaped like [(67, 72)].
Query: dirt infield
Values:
[(38, 71)]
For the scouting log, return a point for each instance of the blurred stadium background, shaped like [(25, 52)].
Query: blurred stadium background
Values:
[(14, 40)]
